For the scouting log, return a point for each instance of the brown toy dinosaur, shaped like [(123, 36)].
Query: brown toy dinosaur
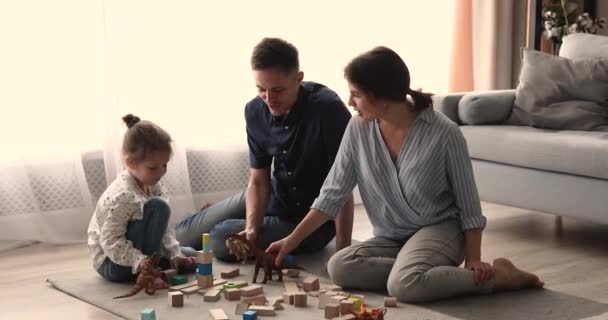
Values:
[(373, 314), (148, 272), (242, 248)]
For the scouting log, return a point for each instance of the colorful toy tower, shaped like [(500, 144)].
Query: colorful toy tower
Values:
[(204, 271)]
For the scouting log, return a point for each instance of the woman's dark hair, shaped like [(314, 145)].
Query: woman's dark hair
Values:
[(143, 137), (275, 53), (383, 74)]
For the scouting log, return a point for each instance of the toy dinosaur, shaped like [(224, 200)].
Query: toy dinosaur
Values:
[(374, 314), (148, 272), (242, 248)]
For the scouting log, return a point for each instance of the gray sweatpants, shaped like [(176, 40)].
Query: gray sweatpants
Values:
[(421, 268)]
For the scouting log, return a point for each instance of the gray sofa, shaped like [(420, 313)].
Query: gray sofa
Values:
[(554, 171)]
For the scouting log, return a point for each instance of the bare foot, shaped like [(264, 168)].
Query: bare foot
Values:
[(508, 277)]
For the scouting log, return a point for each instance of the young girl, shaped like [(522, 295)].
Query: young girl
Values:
[(131, 219)]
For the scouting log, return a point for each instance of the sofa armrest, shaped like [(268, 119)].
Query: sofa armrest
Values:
[(487, 107), (448, 105)]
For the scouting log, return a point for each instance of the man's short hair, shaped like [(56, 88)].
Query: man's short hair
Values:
[(275, 53)]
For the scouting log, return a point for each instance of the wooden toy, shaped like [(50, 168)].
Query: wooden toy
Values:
[(390, 302), (346, 307), (218, 314), (252, 290), (241, 308), (299, 299), (232, 294), (204, 257), (206, 242), (176, 299), (230, 273), (292, 273), (288, 298), (148, 314), (332, 310), (250, 315), (263, 310), (311, 284), (183, 286), (259, 300), (204, 281), (357, 303), (212, 295)]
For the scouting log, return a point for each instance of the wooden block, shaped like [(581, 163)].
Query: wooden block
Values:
[(232, 294), (241, 308), (168, 274), (357, 303), (212, 295), (299, 299), (176, 299), (240, 284), (332, 310), (204, 269), (333, 287), (230, 273), (346, 307), (190, 290), (337, 299), (277, 298), (219, 282), (316, 293), (288, 298), (148, 314), (184, 286), (324, 299), (204, 257), (347, 317), (263, 310), (292, 273), (205, 281), (259, 300), (250, 315), (252, 290), (290, 286), (276, 303), (311, 284), (390, 302), (218, 314), (346, 295)]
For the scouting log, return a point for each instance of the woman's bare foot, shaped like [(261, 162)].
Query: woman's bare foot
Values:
[(508, 277)]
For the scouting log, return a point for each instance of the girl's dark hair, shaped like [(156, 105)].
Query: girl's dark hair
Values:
[(383, 74), (275, 53), (143, 137)]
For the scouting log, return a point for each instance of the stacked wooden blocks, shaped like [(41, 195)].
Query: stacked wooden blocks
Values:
[(204, 274), (176, 299)]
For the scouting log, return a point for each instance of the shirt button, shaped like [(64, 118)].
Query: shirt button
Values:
[(289, 173), (284, 151), (286, 127)]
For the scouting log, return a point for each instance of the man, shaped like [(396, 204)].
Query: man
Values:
[(297, 124)]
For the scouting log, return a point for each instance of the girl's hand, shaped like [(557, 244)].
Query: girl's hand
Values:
[(281, 248), (482, 271)]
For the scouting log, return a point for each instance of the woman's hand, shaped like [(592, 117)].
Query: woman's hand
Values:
[(482, 271), (281, 248)]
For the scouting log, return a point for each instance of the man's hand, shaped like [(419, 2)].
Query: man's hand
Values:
[(482, 271), (183, 263), (250, 234), (281, 248)]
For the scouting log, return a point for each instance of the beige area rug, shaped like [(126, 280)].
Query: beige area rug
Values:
[(88, 286)]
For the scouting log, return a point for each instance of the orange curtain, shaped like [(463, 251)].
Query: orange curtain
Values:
[(461, 62)]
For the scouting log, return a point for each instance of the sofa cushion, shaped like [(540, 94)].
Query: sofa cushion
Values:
[(584, 46), (488, 107), (574, 152), (563, 94)]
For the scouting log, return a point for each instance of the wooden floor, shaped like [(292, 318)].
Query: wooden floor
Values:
[(572, 261)]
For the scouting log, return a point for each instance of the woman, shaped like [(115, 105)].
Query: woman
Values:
[(416, 181)]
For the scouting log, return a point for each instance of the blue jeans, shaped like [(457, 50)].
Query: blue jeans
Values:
[(228, 216), (145, 234)]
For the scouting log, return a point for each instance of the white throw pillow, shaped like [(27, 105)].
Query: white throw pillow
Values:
[(579, 46)]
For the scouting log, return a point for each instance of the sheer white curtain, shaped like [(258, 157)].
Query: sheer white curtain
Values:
[(73, 68)]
